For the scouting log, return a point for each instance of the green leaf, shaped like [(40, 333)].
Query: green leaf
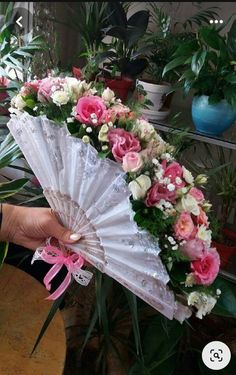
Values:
[(57, 303), (3, 251), (132, 301), (178, 61), (9, 151), (137, 25), (10, 188), (211, 37), (231, 40), (198, 61), (226, 305), (231, 78)]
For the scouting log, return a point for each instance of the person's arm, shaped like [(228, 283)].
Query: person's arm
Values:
[(30, 226)]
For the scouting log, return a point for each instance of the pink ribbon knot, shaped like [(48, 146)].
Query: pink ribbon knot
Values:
[(72, 261)]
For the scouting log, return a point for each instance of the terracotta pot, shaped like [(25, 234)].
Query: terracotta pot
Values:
[(226, 251), (120, 86)]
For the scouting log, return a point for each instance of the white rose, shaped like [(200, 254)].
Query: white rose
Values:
[(187, 175), (204, 234), (60, 97), (103, 133), (189, 204), (140, 186), (18, 102), (108, 95), (75, 88)]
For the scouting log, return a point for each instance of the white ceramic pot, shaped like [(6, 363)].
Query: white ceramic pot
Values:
[(157, 95)]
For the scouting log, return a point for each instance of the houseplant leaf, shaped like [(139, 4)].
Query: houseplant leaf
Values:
[(231, 42), (226, 305)]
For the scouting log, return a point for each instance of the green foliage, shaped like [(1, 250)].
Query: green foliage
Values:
[(226, 305), (206, 64), (160, 338), (167, 38), (15, 52), (148, 217), (124, 53)]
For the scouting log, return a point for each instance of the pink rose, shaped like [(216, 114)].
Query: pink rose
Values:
[(34, 85), (193, 249), (115, 112), (184, 227), (132, 162), (121, 142), (197, 194), (90, 110), (47, 86), (157, 192), (202, 218), (175, 173), (206, 269)]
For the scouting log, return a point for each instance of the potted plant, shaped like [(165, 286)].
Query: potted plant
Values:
[(163, 43), (125, 60), (207, 65)]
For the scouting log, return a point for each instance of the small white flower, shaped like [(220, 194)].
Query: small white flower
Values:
[(73, 113), (89, 129), (110, 124), (35, 108), (93, 115), (69, 120), (175, 247), (94, 121), (171, 187), (60, 97), (178, 180), (104, 148), (84, 126), (166, 246), (218, 292), (155, 161)]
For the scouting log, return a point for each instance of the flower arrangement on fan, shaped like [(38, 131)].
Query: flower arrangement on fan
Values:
[(166, 200)]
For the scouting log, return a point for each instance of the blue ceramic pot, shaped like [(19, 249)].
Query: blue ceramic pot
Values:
[(212, 119)]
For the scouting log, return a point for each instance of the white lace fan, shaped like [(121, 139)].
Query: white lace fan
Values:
[(91, 196)]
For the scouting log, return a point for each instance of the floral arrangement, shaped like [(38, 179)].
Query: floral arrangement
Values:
[(167, 200)]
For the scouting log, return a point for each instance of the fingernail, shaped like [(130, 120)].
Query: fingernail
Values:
[(75, 236)]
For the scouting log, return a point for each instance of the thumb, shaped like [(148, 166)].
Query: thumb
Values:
[(63, 234)]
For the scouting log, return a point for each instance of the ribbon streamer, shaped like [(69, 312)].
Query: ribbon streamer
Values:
[(72, 261)]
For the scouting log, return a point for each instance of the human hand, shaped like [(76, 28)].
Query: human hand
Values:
[(31, 226)]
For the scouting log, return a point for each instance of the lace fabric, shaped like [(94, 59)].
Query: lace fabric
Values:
[(91, 197)]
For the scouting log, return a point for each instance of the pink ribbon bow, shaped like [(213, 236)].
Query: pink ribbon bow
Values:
[(73, 262)]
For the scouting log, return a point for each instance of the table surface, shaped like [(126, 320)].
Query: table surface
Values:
[(23, 310)]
